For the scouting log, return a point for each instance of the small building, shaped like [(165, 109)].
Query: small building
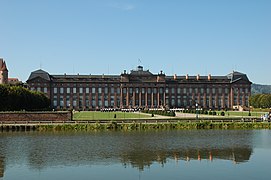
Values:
[(142, 89)]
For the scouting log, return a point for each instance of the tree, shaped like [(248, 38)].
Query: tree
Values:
[(14, 98)]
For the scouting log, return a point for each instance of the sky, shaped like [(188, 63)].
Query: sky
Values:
[(109, 36)]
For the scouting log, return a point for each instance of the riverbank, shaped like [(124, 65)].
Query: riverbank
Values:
[(129, 126)]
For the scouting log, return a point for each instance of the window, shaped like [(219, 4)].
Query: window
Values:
[(55, 90), (137, 90), (74, 102), (45, 90), (93, 90), (99, 90), (80, 90), (143, 90), (184, 90), (131, 90), (154, 90), (68, 90), (149, 90), (173, 90), (213, 90), (167, 90), (226, 90), (124, 90), (112, 90), (39, 89), (87, 90), (179, 90), (74, 90), (106, 90), (161, 90), (55, 101), (61, 102), (61, 90)]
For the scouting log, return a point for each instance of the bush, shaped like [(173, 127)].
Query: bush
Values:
[(222, 113), (213, 113)]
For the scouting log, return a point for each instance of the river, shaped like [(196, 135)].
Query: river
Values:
[(174, 154)]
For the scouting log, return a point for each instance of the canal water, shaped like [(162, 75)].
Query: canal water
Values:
[(174, 154)]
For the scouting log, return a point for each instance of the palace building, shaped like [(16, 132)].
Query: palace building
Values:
[(142, 89)]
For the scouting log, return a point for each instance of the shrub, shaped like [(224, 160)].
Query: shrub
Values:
[(222, 113)]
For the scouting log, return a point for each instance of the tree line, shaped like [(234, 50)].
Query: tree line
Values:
[(260, 101), (16, 98)]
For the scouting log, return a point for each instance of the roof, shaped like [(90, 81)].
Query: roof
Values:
[(39, 73), (140, 72), (236, 76), (3, 66)]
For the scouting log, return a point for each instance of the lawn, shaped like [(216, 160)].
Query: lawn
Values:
[(242, 113), (97, 115)]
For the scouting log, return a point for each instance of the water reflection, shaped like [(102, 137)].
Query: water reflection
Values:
[(137, 149)]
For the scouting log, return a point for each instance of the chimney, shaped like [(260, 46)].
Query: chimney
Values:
[(186, 77), (209, 77), (175, 76), (198, 77)]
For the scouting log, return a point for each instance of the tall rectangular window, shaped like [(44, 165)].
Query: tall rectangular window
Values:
[(143, 90), (213, 90), (61, 90), (106, 90), (179, 90), (80, 90), (87, 90), (45, 90), (74, 90), (55, 90), (161, 90), (68, 90)]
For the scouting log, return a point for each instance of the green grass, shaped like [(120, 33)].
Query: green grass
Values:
[(97, 115), (241, 113)]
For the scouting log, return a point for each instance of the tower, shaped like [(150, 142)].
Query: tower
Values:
[(3, 72)]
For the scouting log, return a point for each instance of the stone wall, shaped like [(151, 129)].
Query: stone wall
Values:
[(35, 116)]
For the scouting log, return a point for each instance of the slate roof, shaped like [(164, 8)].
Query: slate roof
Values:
[(39, 73), (236, 76)]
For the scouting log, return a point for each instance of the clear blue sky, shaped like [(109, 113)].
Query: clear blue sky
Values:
[(107, 36)]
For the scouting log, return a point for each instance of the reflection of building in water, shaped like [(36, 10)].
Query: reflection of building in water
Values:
[(145, 159), (1, 167)]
